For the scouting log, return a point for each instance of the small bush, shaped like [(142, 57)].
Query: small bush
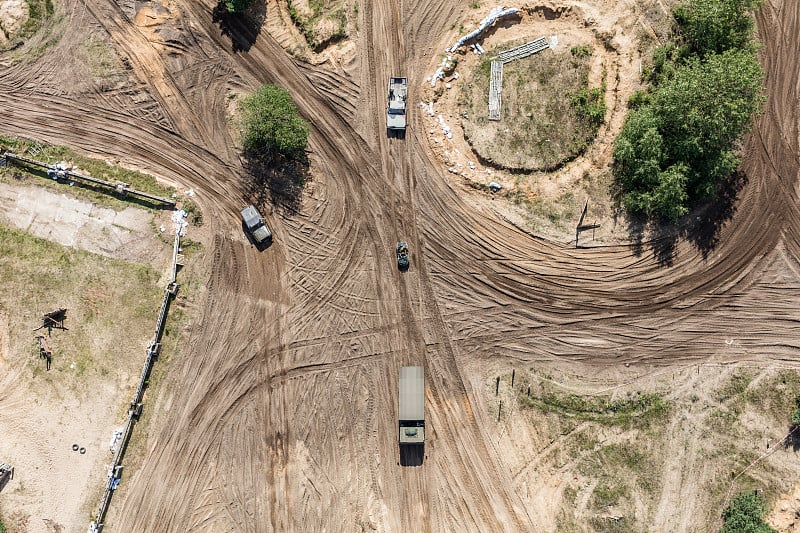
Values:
[(745, 514), (796, 412), (590, 105), (583, 50)]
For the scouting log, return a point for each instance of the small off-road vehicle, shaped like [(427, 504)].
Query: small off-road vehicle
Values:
[(402, 255), (256, 226)]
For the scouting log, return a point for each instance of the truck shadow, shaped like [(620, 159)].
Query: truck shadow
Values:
[(412, 455)]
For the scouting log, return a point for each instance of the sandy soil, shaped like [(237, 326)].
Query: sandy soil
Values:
[(282, 416)]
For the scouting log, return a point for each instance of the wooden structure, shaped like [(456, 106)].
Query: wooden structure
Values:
[(54, 319), (583, 227)]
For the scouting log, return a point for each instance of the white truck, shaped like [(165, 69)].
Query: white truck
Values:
[(396, 105)]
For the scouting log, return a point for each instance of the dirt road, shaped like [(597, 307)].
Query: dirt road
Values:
[(284, 417)]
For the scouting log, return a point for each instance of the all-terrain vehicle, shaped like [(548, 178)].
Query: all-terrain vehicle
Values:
[(255, 225), (402, 255)]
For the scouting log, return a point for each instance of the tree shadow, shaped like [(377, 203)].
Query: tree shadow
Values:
[(276, 180), (701, 227), (792, 439), (242, 28)]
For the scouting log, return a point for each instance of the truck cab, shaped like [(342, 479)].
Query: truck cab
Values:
[(256, 226)]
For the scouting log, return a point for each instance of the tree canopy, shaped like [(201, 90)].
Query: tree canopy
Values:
[(714, 26), (271, 124), (678, 143)]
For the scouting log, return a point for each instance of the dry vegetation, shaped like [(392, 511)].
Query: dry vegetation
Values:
[(616, 454), (540, 127)]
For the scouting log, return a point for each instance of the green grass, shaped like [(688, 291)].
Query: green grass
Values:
[(95, 168), (638, 410)]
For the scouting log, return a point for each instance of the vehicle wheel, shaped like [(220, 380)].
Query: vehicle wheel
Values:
[(74, 447), (83, 451)]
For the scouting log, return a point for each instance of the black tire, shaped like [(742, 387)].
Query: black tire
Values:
[(82, 451), (74, 447)]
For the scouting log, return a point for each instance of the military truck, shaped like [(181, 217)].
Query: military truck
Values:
[(255, 225), (412, 405), (396, 105)]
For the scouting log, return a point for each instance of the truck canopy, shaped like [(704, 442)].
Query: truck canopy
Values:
[(412, 393)]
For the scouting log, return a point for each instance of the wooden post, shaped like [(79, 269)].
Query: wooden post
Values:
[(513, 372), (499, 410), (497, 386), (529, 391)]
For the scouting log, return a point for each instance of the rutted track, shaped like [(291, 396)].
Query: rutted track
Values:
[(284, 414)]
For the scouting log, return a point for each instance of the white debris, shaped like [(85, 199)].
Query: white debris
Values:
[(454, 77), (471, 165), (189, 192), (448, 86), (452, 170), (494, 186), (430, 109), (445, 128), (114, 438), (489, 171), (162, 229), (437, 76), (494, 14), (179, 215), (479, 49), (553, 41)]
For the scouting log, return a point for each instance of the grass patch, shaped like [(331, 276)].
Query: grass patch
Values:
[(638, 410), (111, 305), (38, 13), (322, 22), (95, 168), (549, 114), (100, 57)]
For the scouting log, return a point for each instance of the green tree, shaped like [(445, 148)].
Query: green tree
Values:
[(235, 6), (703, 109), (714, 26), (745, 514), (271, 124)]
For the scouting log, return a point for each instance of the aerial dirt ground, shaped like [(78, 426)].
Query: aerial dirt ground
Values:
[(281, 414)]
